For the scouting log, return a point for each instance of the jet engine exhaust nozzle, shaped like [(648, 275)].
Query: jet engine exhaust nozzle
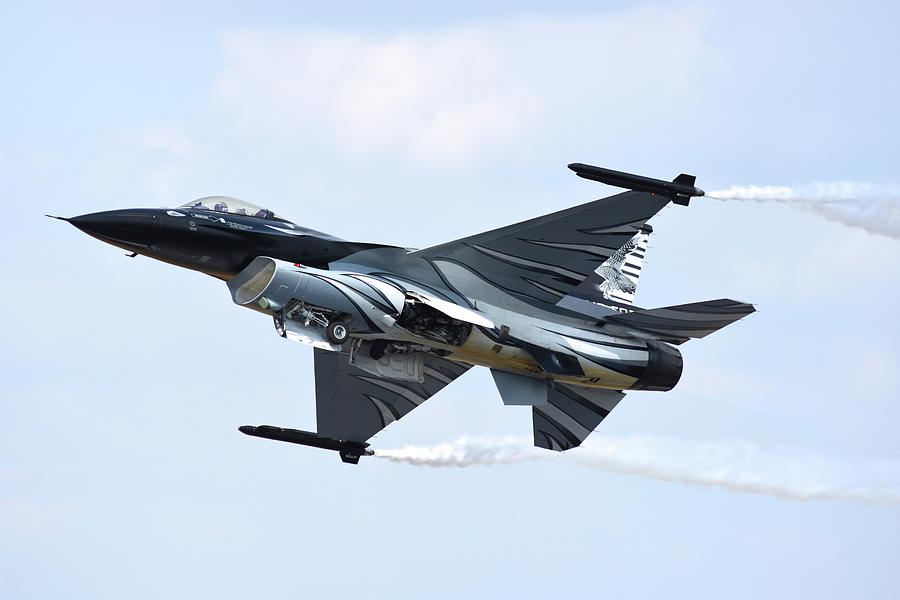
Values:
[(664, 366)]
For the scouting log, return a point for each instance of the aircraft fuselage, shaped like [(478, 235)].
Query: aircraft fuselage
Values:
[(533, 342), (216, 243)]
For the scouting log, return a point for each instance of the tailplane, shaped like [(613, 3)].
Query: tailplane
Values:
[(677, 324)]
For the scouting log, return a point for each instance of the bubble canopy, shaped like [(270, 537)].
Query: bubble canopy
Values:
[(232, 206)]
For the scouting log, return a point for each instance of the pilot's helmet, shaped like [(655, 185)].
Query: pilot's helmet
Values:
[(220, 207)]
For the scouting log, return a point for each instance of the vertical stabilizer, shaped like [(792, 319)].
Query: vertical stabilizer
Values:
[(614, 282), (621, 271)]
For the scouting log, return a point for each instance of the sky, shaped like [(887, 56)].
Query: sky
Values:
[(123, 381)]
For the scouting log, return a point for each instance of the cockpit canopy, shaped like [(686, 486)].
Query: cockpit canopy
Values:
[(232, 206)]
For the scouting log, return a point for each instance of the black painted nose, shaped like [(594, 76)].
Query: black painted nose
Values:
[(131, 228)]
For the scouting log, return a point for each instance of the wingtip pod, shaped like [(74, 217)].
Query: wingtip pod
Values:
[(680, 190), (350, 452)]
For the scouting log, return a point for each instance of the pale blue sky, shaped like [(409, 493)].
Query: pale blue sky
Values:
[(122, 473)]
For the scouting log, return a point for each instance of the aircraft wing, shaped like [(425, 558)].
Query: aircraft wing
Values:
[(353, 405), (544, 259)]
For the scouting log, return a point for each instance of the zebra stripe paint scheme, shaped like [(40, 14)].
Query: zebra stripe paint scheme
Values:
[(353, 405), (684, 321), (549, 251), (570, 415)]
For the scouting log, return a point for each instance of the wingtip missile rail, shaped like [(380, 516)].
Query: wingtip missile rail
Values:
[(680, 190), (349, 451)]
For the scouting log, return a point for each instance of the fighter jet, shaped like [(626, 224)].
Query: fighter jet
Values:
[(545, 304)]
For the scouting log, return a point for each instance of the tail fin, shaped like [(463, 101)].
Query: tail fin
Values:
[(679, 323), (621, 271), (614, 282)]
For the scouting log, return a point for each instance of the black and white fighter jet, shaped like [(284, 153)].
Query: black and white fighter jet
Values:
[(545, 304)]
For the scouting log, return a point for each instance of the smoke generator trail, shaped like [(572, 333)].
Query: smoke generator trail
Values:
[(732, 465), (873, 208)]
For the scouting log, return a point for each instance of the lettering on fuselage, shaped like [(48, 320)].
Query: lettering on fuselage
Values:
[(221, 220)]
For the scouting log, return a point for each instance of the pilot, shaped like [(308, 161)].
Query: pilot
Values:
[(221, 207)]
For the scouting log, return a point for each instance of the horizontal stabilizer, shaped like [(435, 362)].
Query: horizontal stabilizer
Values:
[(679, 323), (570, 415)]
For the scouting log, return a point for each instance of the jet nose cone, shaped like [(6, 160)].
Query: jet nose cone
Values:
[(132, 228)]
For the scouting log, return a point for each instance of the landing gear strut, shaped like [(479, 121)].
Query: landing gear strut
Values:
[(311, 325)]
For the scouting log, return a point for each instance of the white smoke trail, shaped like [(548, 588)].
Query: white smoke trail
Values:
[(736, 466), (874, 208)]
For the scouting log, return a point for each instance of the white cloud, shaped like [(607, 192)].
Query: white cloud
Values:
[(456, 95), (822, 260), (11, 474), (874, 374), (731, 386), (159, 156), (22, 521), (292, 114)]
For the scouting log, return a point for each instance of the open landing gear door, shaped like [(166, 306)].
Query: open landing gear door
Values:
[(454, 311)]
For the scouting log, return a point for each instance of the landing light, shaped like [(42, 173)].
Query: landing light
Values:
[(266, 304)]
